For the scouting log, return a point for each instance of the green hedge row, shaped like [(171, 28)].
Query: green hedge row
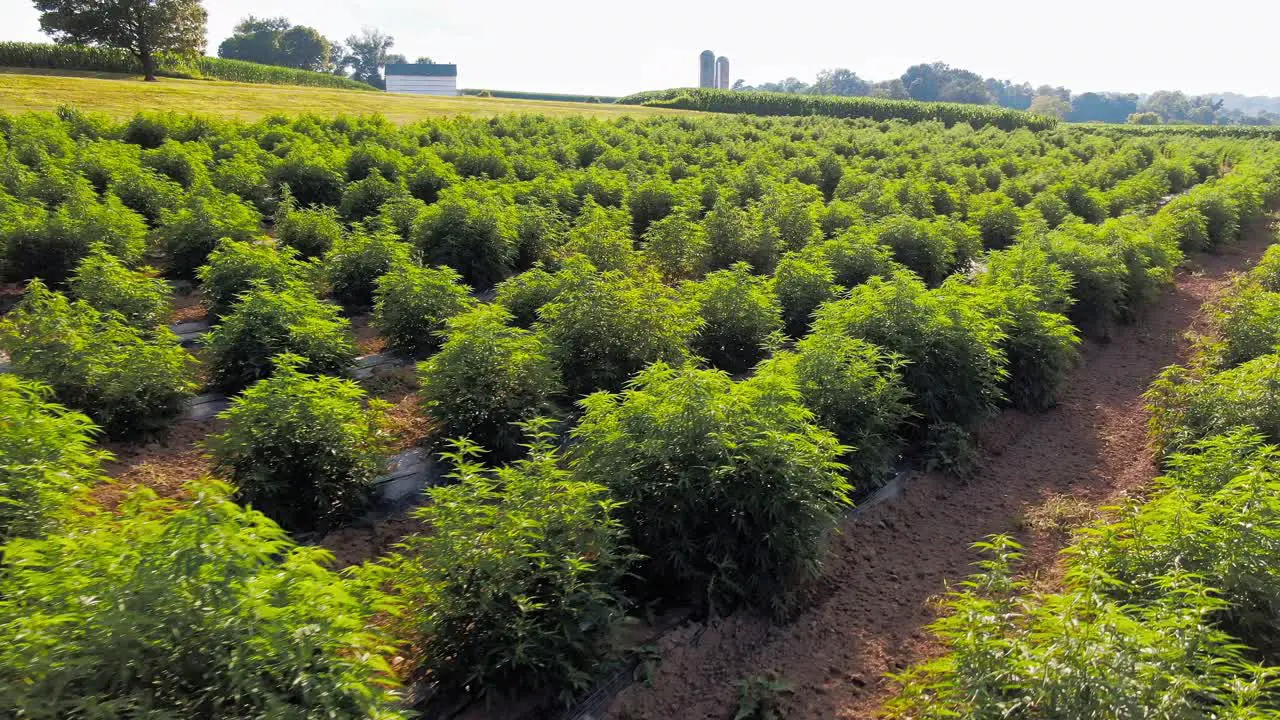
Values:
[(767, 103), (95, 59)]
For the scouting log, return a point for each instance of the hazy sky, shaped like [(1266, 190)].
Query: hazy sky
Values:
[(615, 48)]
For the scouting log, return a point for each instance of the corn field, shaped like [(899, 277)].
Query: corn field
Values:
[(96, 59)]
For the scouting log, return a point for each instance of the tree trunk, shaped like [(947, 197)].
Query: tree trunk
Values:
[(148, 65)]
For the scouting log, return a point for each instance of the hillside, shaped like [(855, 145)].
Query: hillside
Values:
[(123, 95)]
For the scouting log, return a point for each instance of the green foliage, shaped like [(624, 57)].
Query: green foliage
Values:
[(176, 26), (649, 203), (802, 282), (610, 325), (739, 313), (48, 243), (683, 445), (476, 237), (759, 698), (516, 584), (856, 258), (1216, 515), (310, 231), (127, 380), (601, 235), (202, 609), (234, 267), (855, 390), (524, 294), (1028, 263), (997, 220), (366, 197), (1187, 406), (955, 366), (47, 455), (104, 59), (1098, 275), (1248, 323), (110, 287), (487, 377), (175, 161), (412, 303), (303, 449), (677, 246), (146, 193), (1040, 347), (1079, 653), (190, 233), (354, 264), (428, 175), (919, 245), (311, 176), (768, 103), (265, 323)]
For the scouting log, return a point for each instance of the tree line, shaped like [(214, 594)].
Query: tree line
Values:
[(940, 82), (148, 29)]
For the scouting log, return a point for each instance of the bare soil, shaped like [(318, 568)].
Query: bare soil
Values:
[(164, 465), (889, 566)]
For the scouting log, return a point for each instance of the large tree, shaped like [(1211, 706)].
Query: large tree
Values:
[(276, 41), (367, 54), (840, 81), (142, 27)]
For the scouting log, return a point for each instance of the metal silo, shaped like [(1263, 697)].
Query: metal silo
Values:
[(707, 67), (722, 73)]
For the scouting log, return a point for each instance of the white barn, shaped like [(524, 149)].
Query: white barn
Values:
[(422, 79)]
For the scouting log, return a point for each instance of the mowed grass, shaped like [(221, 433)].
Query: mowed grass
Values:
[(123, 95)]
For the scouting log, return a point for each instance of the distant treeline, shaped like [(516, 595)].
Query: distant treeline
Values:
[(101, 59), (772, 103), (939, 82)]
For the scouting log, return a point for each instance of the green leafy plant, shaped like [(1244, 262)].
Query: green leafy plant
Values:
[(855, 390), (192, 232), (759, 697), (49, 243), (363, 198), (610, 325), (129, 381), (303, 449), (310, 231), (1079, 653), (47, 455), (681, 445), (802, 282), (487, 377), (234, 267), (354, 264), (517, 581), (265, 323), (739, 313), (110, 287), (412, 303), (475, 236), (1187, 405), (199, 609), (955, 367)]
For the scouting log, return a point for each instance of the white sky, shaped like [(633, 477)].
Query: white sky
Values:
[(582, 46)]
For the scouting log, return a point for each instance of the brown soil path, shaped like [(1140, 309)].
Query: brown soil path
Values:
[(889, 566)]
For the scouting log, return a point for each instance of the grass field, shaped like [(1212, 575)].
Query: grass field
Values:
[(123, 95)]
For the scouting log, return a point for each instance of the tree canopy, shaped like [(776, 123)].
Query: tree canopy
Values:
[(142, 27), (276, 41)]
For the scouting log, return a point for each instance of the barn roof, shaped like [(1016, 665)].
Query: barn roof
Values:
[(434, 70)]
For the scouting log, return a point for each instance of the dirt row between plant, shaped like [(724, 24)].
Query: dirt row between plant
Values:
[(889, 566)]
